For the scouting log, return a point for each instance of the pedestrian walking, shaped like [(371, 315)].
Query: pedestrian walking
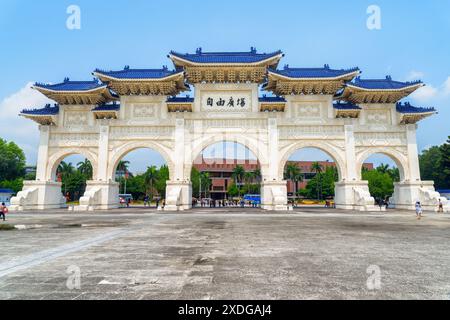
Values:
[(3, 211), (418, 210), (440, 206), (146, 201)]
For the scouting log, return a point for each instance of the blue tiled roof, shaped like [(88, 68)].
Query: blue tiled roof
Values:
[(128, 73), (68, 85), (107, 107), (345, 106), (325, 72), (180, 100), (265, 98), (408, 108), (48, 110), (225, 57), (6, 191), (382, 84)]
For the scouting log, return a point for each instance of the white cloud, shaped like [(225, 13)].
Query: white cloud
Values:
[(22, 131), (414, 75), (425, 94), (446, 87)]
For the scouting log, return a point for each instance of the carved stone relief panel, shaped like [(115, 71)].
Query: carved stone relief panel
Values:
[(380, 138), (144, 111), (308, 110), (378, 116), (73, 139), (75, 118)]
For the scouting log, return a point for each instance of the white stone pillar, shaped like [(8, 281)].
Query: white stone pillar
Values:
[(102, 193), (42, 194), (42, 159), (350, 192), (273, 187), (413, 154), (407, 192), (179, 190)]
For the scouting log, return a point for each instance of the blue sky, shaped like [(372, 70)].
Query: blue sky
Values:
[(36, 45)]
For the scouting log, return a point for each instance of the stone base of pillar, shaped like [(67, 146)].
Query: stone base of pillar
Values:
[(99, 195), (354, 195), (38, 195), (406, 194), (178, 196), (274, 195)]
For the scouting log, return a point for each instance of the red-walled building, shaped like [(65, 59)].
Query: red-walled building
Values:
[(221, 170)]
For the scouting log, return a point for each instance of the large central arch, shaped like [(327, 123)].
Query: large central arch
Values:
[(257, 147)]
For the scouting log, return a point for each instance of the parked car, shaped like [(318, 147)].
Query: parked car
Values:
[(125, 199)]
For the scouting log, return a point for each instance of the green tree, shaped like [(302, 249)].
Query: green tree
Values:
[(233, 190), (151, 177), (161, 182), (75, 185), (238, 176), (15, 185), (432, 167), (323, 184), (317, 168), (381, 184), (123, 166), (293, 172), (445, 164), (12, 161), (85, 168)]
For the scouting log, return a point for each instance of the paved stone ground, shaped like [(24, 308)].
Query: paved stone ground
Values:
[(218, 254)]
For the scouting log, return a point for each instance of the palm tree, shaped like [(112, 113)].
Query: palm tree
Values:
[(317, 168), (122, 167), (238, 176), (383, 168), (257, 174), (293, 173), (205, 181), (85, 168), (249, 177), (63, 171), (151, 177)]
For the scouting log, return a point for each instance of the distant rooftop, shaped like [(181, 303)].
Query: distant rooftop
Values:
[(48, 110), (68, 85), (272, 99), (408, 108), (225, 57), (186, 99), (128, 73), (382, 84), (345, 106), (325, 72)]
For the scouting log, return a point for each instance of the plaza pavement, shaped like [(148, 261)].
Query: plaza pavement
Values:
[(225, 254)]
